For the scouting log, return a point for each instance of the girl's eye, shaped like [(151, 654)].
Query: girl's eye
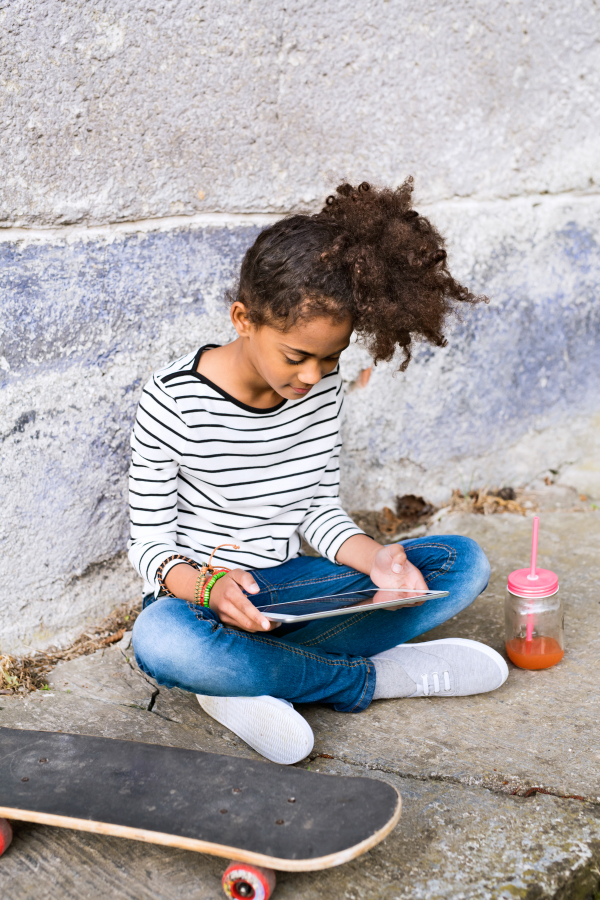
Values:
[(298, 362)]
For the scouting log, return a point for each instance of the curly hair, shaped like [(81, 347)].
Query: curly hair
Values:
[(367, 255)]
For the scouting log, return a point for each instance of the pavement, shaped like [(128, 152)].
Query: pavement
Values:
[(501, 792)]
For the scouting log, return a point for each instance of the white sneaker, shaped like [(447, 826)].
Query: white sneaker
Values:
[(270, 726), (451, 667)]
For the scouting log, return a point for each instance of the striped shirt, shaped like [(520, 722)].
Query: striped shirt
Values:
[(207, 469)]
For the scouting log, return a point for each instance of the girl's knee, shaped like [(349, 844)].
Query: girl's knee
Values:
[(479, 564), (150, 625), (146, 638), (473, 564), (164, 635), (179, 648)]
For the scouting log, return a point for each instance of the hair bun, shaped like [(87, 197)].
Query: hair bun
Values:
[(371, 258)]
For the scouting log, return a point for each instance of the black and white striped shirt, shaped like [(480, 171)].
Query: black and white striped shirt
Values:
[(207, 469)]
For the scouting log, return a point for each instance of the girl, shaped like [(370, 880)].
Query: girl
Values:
[(239, 445)]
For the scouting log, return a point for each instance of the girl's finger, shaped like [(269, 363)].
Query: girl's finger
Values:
[(245, 580), (232, 615), (398, 560), (248, 611)]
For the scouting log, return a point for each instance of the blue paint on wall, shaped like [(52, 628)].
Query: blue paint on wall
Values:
[(529, 358), (63, 303), (532, 352)]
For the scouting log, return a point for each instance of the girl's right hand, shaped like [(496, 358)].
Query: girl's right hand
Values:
[(228, 601)]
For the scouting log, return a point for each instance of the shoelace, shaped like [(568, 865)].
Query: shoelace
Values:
[(436, 683)]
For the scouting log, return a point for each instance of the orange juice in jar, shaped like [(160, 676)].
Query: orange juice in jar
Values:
[(533, 615)]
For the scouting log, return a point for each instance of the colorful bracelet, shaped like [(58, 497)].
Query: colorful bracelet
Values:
[(199, 588), (208, 586), (205, 569)]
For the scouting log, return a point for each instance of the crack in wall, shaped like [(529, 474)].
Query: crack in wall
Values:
[(112, 230), (81, 231)]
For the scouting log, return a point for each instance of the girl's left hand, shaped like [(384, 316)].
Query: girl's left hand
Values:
[(391, 569)]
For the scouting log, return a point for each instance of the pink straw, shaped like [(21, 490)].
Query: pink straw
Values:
[(534, 546), (533, 574)]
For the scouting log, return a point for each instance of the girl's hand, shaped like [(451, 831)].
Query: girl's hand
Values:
[(232, 606), (391, 569)]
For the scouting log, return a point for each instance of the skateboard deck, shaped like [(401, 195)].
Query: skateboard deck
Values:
[(252, 811)]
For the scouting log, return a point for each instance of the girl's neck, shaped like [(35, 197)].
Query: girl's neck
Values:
[(231, 369)]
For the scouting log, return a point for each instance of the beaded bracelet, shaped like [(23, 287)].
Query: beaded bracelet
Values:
[(160, 570), (199, 588), (209, 585)]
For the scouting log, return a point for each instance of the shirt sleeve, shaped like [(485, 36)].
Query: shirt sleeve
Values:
[(155, 444), (325, 525)]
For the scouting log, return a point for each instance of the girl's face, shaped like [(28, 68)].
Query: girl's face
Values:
[(291, 362)]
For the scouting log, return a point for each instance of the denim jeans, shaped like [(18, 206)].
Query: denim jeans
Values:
[(327, 660)]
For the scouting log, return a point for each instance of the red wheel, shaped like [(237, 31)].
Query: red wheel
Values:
[(5, 835), (242, 881)]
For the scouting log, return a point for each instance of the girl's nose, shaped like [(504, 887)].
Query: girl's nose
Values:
[(310, 374)]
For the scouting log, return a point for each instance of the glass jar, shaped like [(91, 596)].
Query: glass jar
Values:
[(534, 619)]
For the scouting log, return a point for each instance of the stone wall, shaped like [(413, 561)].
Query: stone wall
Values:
[(143, 146)]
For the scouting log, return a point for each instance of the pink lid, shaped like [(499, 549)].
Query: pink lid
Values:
[(524, 584)]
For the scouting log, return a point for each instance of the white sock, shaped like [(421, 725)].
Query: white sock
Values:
[(391, 681)]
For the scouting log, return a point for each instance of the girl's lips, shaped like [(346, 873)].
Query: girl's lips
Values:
[(300, 390)]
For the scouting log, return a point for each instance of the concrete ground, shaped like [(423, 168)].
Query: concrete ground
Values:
[(473, 825)]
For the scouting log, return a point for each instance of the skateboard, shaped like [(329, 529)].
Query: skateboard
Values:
[(261, 816)]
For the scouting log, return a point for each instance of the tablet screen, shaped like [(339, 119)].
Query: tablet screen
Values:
[(338, 604)]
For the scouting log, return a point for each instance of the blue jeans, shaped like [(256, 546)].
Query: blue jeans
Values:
[(326, 660)]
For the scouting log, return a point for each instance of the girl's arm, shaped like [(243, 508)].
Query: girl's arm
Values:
[(153, 483), (326, 526)]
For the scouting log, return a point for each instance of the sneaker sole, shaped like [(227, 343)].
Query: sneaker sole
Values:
[(273, 729), (477, 645)]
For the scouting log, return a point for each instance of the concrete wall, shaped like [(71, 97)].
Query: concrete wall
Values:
[(142, 147)]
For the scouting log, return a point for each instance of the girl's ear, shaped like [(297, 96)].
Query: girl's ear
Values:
[(239, 318)]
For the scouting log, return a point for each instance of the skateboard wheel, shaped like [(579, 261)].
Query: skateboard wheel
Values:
[(242, 881), (5, 835)]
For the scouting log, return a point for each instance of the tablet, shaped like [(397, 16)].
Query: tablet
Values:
[(342, 604)]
